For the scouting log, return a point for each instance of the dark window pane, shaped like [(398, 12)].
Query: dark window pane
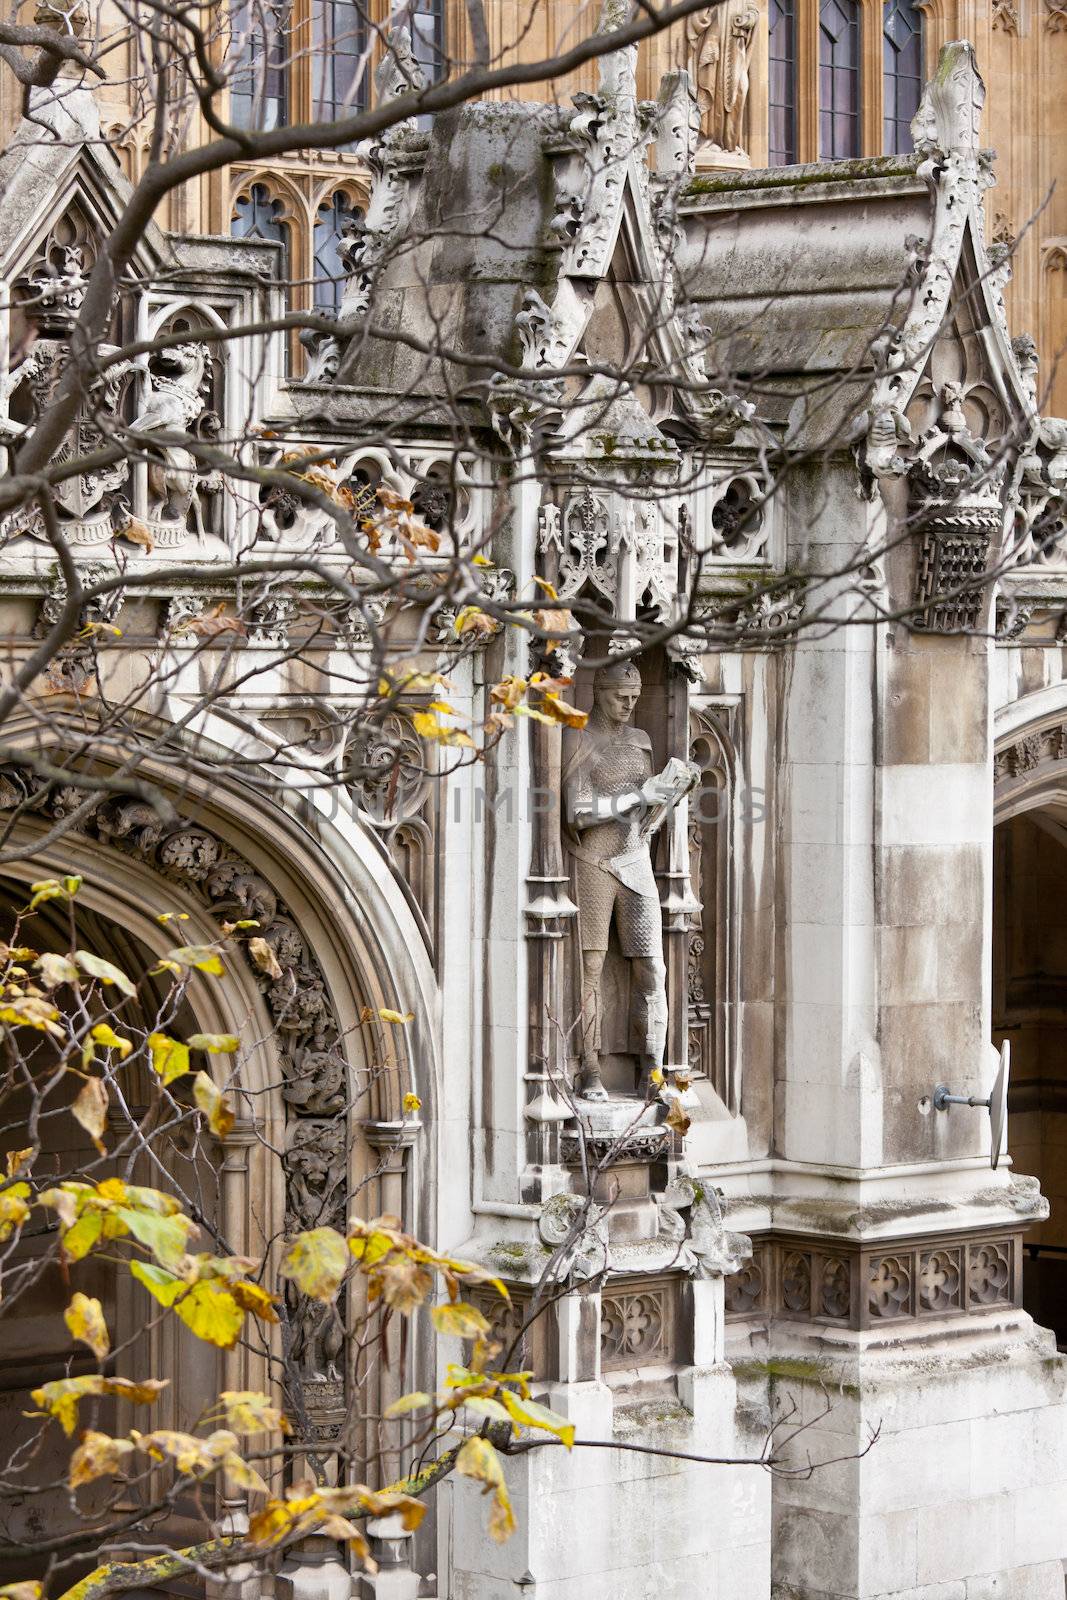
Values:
[(258, 86), (782, 85), (339, 67), (330, 222), (902, 72), (839, 79)]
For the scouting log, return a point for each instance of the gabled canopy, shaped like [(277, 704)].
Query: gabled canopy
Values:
[(825, 287)]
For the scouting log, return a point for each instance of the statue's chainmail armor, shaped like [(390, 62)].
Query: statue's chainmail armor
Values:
[(613, 865)]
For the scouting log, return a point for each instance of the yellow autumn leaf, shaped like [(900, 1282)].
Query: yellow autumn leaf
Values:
[(13, 1208), (412, 1104), (401, 1282), (85, 1319), (559, 711), (105, 971), (532, 1415), (165, 1235), (249, 1411), (29, 1590), (478, 1459), (415, 1401), (253, 1297), (220, 1043), (105, 1034), (460, 1320), (316, 1261), (264, 957), (473, 622), (214, 1104), (61, 1397), (207, 1307), (55, 970), (170, 1058), (98, 1456), (397, 1017), (17, 1161), (240, 1475), (427, 726), (90, 1107)]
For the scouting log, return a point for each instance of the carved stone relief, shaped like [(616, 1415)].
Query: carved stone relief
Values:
[(865, 1288), (308, 1035)]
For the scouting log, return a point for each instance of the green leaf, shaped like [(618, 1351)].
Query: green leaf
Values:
[(166, 1237)]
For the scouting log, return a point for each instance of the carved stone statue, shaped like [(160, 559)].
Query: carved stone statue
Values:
[(613, 802), (719, 43)]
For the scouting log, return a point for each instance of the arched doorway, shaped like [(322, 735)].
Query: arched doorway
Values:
[(320, 1090), (1029, 992)]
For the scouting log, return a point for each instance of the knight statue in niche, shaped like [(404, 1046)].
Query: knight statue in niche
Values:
[(613, 802)]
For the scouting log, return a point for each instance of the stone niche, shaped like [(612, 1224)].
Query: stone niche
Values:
[(660, 713)]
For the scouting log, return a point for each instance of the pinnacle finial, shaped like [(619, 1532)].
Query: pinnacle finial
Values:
[(951, 106)]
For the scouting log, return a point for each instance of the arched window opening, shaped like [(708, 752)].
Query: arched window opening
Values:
[(332, 220), (257, 215), (839, 79), (259, 78), (902, 72), (339, 59), (782, 83)]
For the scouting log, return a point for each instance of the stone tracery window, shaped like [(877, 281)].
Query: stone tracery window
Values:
[(331, 220), (257, 214)]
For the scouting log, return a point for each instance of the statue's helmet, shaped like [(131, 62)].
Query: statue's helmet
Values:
[(617, 675)]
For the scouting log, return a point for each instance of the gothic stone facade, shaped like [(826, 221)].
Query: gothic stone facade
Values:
[(823, 1242)]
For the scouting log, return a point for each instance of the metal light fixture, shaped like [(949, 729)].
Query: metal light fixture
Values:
[(996, 1103)]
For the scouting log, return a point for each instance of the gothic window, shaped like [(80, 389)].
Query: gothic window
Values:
[(330, 221), (844, 78), (259, 96), (902, 72), (340, 69), (782, 85), (257, 215), (313, 60), (839, 80), (425, 18)]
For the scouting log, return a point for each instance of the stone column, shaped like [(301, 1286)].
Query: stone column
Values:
[(894, 1250)]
